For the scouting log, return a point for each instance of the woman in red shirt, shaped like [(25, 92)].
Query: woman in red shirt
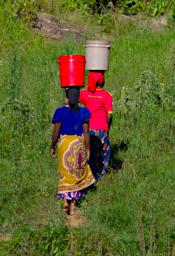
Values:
[(99, 102)]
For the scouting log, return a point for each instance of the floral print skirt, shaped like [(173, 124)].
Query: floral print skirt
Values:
[(75, 174)]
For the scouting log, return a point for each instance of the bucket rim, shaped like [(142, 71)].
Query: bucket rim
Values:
[(98, 45), (71, 57), (103, 43)]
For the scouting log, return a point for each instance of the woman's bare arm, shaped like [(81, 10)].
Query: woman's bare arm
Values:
[(109, 119), (86, 137), (55, 136)]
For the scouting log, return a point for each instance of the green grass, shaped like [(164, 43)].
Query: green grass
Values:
[(132, 211)]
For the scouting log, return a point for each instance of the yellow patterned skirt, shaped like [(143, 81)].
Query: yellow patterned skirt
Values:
[(74, 171)]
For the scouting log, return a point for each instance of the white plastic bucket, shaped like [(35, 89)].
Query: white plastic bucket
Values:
[(97, 55)]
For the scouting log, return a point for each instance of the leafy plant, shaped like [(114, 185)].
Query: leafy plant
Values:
[(25, 10), (83, 6), (158, 7), (106, 22), (133, 6)]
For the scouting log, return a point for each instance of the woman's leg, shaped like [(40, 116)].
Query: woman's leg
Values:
[(73, 207), (100, 155), (96, 160), (66, 206), (105, 152)]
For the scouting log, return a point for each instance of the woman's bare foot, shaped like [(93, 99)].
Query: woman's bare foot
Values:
[(75, 219), (66, 206), (73, 208)]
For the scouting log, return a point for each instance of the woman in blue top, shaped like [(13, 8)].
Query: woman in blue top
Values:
[(71, 127)]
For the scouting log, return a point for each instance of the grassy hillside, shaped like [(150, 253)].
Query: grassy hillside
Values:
[(132, 210)]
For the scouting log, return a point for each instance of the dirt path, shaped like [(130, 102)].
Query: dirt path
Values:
[(74, 220), (5, 237)]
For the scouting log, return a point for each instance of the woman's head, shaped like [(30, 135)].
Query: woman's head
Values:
[(72, 93), (95, 79)]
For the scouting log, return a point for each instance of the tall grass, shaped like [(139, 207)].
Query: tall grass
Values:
[(132, 211)]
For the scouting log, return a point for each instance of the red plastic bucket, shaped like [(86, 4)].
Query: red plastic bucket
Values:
[(72, 70)]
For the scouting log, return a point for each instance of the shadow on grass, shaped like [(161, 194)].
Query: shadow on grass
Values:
[(115, 161), (96, 158), (96, 161)]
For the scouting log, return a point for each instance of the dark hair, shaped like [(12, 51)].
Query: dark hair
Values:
[(72, 93), (100, 84)]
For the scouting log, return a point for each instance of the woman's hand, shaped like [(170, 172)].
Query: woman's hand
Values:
[(86, 138), (52, 152)]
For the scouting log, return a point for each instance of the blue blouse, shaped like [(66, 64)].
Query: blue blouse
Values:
[(71, 120)]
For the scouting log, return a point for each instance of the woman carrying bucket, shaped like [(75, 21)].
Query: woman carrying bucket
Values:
[(99, 102), (71, 128)]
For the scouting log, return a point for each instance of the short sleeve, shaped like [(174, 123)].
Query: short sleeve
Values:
[(85, 115), (108, 103), (57, 117)]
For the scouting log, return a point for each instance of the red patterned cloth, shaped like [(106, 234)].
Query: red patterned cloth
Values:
[(93, 79)]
